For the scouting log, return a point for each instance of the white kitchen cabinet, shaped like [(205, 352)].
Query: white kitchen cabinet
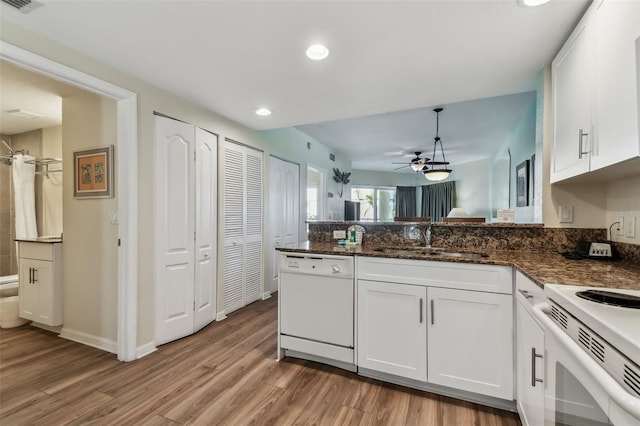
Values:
[(470, 341), (572, 72), (392, 335), (40, 276), (617, 26), (529, 353), (595, 96), (463, 332)]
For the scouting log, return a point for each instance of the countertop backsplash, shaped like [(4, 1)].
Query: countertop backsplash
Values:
[(490, 236)]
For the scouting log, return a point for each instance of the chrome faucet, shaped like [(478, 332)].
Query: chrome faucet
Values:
[(426, 234)]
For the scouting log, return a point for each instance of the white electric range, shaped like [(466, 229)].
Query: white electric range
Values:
[(592, 355)]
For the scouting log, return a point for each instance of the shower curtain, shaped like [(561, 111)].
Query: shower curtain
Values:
[(24, 197)]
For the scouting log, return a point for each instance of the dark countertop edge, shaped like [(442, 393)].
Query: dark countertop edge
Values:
[(35, 240), (518, 264), (452, 224)]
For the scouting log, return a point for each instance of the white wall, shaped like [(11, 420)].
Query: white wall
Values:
[(473, 181)]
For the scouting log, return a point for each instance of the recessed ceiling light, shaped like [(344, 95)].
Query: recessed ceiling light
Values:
[(533, 3), (263, 111), (317, 52)]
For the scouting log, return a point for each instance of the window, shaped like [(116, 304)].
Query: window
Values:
[(376, 204)]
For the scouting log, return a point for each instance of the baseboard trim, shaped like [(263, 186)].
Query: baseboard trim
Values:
[(146, 349), (90, 340), (220, 316), (266, 295)]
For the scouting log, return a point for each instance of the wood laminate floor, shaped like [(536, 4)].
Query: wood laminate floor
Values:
[(225, 374)]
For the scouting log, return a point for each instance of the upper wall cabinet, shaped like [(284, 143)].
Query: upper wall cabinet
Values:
[(595, 95)]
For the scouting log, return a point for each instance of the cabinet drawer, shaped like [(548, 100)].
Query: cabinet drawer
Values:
[(463, 276), (36, 251)]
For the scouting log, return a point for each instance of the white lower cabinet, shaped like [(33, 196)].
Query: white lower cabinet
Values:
[(447, 326), (529, 353), (470, 341), (392, 332)]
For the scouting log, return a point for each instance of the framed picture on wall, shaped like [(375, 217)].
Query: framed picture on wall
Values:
[(522, 184), (93, 173)]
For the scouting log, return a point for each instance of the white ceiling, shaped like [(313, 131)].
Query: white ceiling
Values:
[(386, 56)]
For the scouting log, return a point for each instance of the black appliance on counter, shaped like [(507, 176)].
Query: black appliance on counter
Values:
[(351, 210)]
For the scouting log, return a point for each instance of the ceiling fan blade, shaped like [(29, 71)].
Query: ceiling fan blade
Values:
[(401, 167)]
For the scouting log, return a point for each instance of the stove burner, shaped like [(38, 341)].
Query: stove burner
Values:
[(611, 298)]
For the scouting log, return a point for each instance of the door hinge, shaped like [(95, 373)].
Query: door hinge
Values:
[(194, 306), (194, 236), (119, 242), (194, 156)]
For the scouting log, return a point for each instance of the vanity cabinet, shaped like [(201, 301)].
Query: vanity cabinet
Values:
[(595, 92), (438, 323), (392, 333), (529, 353), (40, 280)]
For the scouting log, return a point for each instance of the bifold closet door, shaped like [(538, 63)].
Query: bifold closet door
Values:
[(206, 216), (242, 266), (185, 225)]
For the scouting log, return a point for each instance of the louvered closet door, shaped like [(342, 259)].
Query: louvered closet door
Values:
[(242, 255), (234, 221), (253, 234), (174, 226)]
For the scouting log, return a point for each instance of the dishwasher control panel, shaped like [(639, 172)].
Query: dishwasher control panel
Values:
[(317, 264)]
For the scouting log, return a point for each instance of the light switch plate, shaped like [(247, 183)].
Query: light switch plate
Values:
[(630, 226), (337, 235), (566, 214)]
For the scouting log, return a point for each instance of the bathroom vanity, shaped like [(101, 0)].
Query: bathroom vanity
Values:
[(40, 291)]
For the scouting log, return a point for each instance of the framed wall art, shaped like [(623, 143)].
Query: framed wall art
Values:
[(93, 173), (522, 184)]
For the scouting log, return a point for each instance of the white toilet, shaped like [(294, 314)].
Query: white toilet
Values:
[(9, 303)]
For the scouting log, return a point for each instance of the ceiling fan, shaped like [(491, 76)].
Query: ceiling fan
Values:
[(417, 163)]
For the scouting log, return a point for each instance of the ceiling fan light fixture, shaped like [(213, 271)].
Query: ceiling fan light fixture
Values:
[(417, 166), (436, 175)]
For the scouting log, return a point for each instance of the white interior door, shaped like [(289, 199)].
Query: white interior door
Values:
[(254, 267), (284, 212), (206, 191), (174, 224)]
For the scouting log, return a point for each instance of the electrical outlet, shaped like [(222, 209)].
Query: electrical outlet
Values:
[(630, 227), (619, 227), (338, 235)]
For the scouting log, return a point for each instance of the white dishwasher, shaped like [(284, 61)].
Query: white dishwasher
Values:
[(315, 309)]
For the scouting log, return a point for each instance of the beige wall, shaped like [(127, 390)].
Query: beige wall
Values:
[(90, 252), (623, 199), (150, 99)]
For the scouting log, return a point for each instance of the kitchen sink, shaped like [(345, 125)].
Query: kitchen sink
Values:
[(431, 251)]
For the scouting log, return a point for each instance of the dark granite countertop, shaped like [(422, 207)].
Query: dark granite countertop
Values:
[(541, 267), (44, 240)]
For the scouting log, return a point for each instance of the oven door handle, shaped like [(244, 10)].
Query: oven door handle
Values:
[(617, 393)]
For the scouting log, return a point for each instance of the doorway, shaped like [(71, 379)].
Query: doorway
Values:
[(284, 212)]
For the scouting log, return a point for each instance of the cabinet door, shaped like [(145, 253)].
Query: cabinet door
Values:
[(529, 344), (38, 295), (471, 341), (392, 334), (572, 104), (29, 299), (618, 28)]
